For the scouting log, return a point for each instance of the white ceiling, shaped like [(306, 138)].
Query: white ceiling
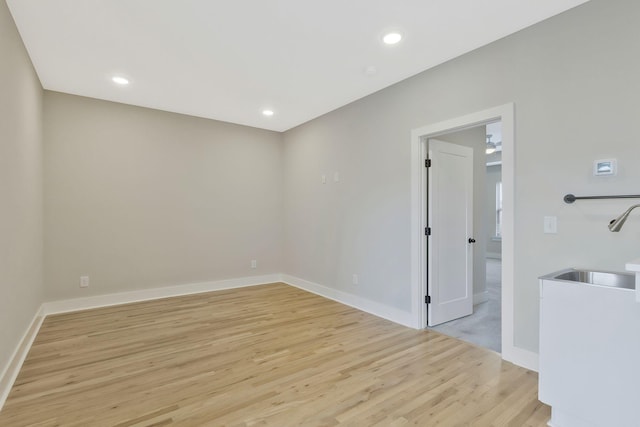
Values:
[(229, 60)]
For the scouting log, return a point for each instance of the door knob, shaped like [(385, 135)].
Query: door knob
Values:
[(472, 240)]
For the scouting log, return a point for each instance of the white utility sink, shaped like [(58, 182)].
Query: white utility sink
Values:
[(590, 348)]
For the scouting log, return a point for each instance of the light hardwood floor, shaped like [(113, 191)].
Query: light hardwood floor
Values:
[(269, 355)]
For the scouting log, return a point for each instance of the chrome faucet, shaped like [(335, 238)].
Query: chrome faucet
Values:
[(616, 224)]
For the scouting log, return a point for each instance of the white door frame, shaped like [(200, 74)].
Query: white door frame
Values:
[(506, 114)]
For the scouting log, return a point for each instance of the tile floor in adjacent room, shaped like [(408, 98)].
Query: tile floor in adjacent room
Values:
[(484, 326)]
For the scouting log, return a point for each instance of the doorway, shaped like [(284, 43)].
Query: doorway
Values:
[(505, 114), (481, 325)]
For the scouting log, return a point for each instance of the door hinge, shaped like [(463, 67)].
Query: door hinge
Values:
[(427, 299), (427, 231), (427, 163)]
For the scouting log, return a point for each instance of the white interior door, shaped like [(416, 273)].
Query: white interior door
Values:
[(450, 243)]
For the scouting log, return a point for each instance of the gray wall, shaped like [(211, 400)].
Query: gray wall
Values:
[(574, 82), (21, 290), (138, 198), (475, 139)]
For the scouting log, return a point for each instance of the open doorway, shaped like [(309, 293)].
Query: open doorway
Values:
[(506, 114), (482, 324)]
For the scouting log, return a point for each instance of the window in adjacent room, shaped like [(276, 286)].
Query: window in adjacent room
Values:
[(499, 209)]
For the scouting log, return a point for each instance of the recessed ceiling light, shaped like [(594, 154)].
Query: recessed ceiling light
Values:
[(392, 38), (267, 113), (123, 81)]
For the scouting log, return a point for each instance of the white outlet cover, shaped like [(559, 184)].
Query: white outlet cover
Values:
[(551, 224), (84, 281)]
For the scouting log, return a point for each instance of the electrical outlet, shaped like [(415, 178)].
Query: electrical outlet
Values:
[(355, 280), (84, 281), (254, 263)]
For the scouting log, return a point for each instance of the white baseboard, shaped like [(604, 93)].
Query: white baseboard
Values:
[(561, 418), (85, 303), (480, 297), (521, 357), (11, 370), (363, 304)]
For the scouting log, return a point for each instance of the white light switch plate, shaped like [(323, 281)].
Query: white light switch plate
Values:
[(551, 224)]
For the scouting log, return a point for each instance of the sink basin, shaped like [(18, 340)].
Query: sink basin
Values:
[(600, 278)]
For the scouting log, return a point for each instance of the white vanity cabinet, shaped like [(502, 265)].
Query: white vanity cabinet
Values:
[(590, 349)]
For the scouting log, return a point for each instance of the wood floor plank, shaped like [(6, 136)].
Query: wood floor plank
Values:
[(269, 355)]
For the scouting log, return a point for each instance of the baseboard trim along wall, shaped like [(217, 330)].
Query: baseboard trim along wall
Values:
[(480, 297), (12, 369), (360, 303), (76, 304), (524, 358)]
